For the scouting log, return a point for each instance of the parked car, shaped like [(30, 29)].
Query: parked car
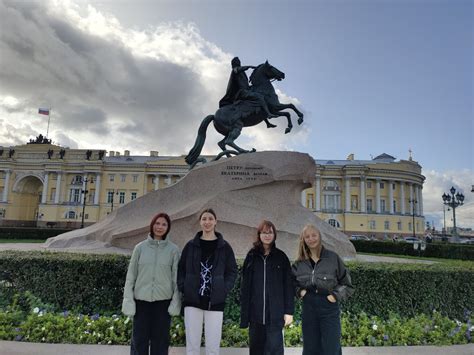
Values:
[(359, 237), (467, 241), (411, 240)]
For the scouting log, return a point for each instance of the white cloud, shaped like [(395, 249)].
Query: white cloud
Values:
[(438, 183), (112, 87)]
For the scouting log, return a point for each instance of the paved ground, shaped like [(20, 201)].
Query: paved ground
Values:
[(20, 348)]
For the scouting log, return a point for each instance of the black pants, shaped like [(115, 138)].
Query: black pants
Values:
[(321, 325), (151, 328), (265, 339)]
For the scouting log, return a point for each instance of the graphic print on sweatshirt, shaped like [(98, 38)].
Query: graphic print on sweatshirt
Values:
[(206, 278)]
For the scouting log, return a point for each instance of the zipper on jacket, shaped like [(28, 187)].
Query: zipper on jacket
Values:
[(264, 285)]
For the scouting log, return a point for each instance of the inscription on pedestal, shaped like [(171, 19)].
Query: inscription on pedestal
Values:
[(245, 173)]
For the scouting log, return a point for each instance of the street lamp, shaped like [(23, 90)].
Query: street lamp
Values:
[(413, 202), (84, 192), (454, 200)]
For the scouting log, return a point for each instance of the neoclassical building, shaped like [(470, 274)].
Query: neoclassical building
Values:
[(45, 185)]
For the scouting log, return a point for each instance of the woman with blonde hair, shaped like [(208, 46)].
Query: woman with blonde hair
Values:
[(322, 281)]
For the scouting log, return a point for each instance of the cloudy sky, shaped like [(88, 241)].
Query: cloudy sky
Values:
[(371, 76)]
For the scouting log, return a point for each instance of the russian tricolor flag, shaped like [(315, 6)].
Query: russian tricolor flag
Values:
[(43, 111)]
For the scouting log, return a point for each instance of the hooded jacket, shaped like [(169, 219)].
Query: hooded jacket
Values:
[(224, 271), (152, 274)]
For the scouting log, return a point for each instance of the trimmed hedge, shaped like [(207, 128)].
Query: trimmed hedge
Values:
[(91, 283), (433, 250), (30, 233)]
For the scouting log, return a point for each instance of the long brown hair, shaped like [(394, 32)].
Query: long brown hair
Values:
[(258, 245), (162, 215), (303, 251)]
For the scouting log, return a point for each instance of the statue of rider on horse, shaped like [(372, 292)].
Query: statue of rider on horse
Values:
[(243, 105)]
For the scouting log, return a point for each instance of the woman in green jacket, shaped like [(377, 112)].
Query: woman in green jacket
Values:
[(151, 294)]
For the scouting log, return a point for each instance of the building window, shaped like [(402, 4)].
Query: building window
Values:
[(331, 185), (77, 180), (135, 178), (382, 205), (111, 177), (71, 215), (122, 197), (410, 226), (110, 196), (369, 184), (75, 195), (133, 196), (399, 225), (333, 222), (372, 225), (387, 225), (153, 179), (393, 187), (382, 185), (123, 177), (53, 194), (369, 205), (394, 206)]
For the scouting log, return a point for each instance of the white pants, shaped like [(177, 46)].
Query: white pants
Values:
[(193, 318)]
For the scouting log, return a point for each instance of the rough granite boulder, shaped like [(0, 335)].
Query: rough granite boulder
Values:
[(243, 190)]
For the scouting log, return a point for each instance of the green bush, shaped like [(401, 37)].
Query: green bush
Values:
[(90, 283), (30, 233), (433, 250)]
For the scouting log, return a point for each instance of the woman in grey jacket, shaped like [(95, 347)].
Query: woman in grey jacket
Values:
[(322, 281), (151, 293)]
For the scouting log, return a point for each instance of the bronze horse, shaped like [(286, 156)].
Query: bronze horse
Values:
[(229, 120)]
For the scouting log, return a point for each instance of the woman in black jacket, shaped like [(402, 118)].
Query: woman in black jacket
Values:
[(206, 273), (322, 281), (267, 294)]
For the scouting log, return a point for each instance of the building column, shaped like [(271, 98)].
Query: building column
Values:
[(363, 199), (97, 189), (347, 194), (411, 198), (303, 198), (390, 196), (7, 186), (44, 195), (168, 180), (402, 198), (58, 187), (318, 194), (377, 196), (420, 200), (157, 181)]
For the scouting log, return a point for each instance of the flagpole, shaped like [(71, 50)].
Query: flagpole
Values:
[(49, 118)]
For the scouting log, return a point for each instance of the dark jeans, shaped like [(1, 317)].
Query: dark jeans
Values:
[(265, 339), (151, 328), (321, 325)]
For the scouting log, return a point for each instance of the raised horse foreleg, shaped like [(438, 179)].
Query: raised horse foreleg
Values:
[(280, 107), (288, 118)]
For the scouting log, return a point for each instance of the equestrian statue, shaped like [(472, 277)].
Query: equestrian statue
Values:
[(243, 105)]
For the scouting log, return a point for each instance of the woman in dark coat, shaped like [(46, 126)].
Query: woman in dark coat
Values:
[(206, 274), (267, 293)]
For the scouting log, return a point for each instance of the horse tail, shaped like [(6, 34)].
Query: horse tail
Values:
[(193, 154)]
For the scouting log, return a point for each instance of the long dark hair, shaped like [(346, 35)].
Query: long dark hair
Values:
[(153, 220), (258, 245)]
